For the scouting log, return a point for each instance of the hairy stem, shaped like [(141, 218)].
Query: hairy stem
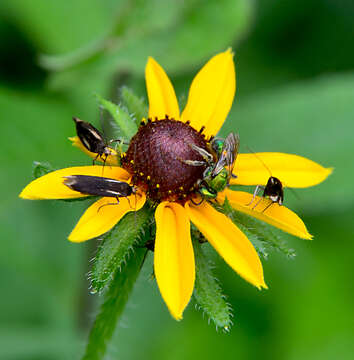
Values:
[(115, 299)]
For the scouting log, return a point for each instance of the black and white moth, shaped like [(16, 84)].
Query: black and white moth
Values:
[(99, 186), (92, 139)]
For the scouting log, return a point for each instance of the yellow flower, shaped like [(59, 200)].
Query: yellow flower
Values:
[(209, 102)]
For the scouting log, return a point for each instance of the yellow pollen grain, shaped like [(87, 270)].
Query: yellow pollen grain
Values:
[(184, 195), (181, 187), (141, 174), (148, 177), (170, 191), (157, 186), (132, 161)]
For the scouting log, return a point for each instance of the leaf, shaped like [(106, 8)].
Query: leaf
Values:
[(135, 105), (207, 292), (47, 24), (120, 116), (41, 168), (117, 245), (263, 238), (184, 43)]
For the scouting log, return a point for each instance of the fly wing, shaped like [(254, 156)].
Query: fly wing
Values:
[(233, 143), (98, 186), (228, 154)]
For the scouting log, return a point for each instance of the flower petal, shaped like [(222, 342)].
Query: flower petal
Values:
[(162, 97), (103, 214), (276, 215), (51, 186), (292, 170), (229, 241), (211, 94), (174, 258), (111, 159)]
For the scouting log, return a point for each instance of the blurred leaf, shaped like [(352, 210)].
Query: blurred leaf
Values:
[(117, 246), (130, 21), (121, 117), (313, 119), (33, 342), (60, 26), (135, 105), (207, 291), (180, 46)]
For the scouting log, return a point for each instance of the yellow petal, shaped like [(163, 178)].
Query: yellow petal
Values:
[(211, 94), (51, 186), (111, 159), (276, 215), (229, 241), (162, 97), (292, 170), (174, 258), (102, 215)]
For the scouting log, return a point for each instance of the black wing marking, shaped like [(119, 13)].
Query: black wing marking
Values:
[(98, 186)]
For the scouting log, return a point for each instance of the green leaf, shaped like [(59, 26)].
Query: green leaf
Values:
[(120, 116), (207, 292), (179, 45), (118, 245), (41, 168), (259, 233), (58, 26), (113, 305), (135, 105)]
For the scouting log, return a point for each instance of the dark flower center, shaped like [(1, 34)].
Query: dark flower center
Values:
[(156, 159)]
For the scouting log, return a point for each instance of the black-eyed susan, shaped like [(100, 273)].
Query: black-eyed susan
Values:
[(154, 164)]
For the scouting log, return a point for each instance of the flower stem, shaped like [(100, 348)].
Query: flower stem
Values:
[(115, 299)]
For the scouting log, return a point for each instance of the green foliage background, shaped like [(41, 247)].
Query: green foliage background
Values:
[(295, 79)]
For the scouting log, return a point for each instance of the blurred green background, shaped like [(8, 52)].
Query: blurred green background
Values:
[(295, 80)]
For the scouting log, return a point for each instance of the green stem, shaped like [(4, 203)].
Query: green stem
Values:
[(112, 308)]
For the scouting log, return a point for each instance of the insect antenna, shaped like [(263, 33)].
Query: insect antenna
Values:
[(259, 158), (272, 190)]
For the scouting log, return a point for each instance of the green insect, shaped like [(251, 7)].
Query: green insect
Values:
[(217, 175), (210, 186)]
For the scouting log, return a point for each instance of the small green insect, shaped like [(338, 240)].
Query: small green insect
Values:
[(221, 161), (210, 186)]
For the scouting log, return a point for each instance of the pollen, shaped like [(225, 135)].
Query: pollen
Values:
[(164, 149)]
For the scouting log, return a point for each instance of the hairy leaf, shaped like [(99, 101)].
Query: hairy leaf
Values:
[(260, 234), (135, 105), (120, 116), (117, 245), (207, 291)]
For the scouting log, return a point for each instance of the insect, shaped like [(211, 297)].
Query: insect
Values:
[(99, 186), (92, 139), (273, 190), (217, 175)]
